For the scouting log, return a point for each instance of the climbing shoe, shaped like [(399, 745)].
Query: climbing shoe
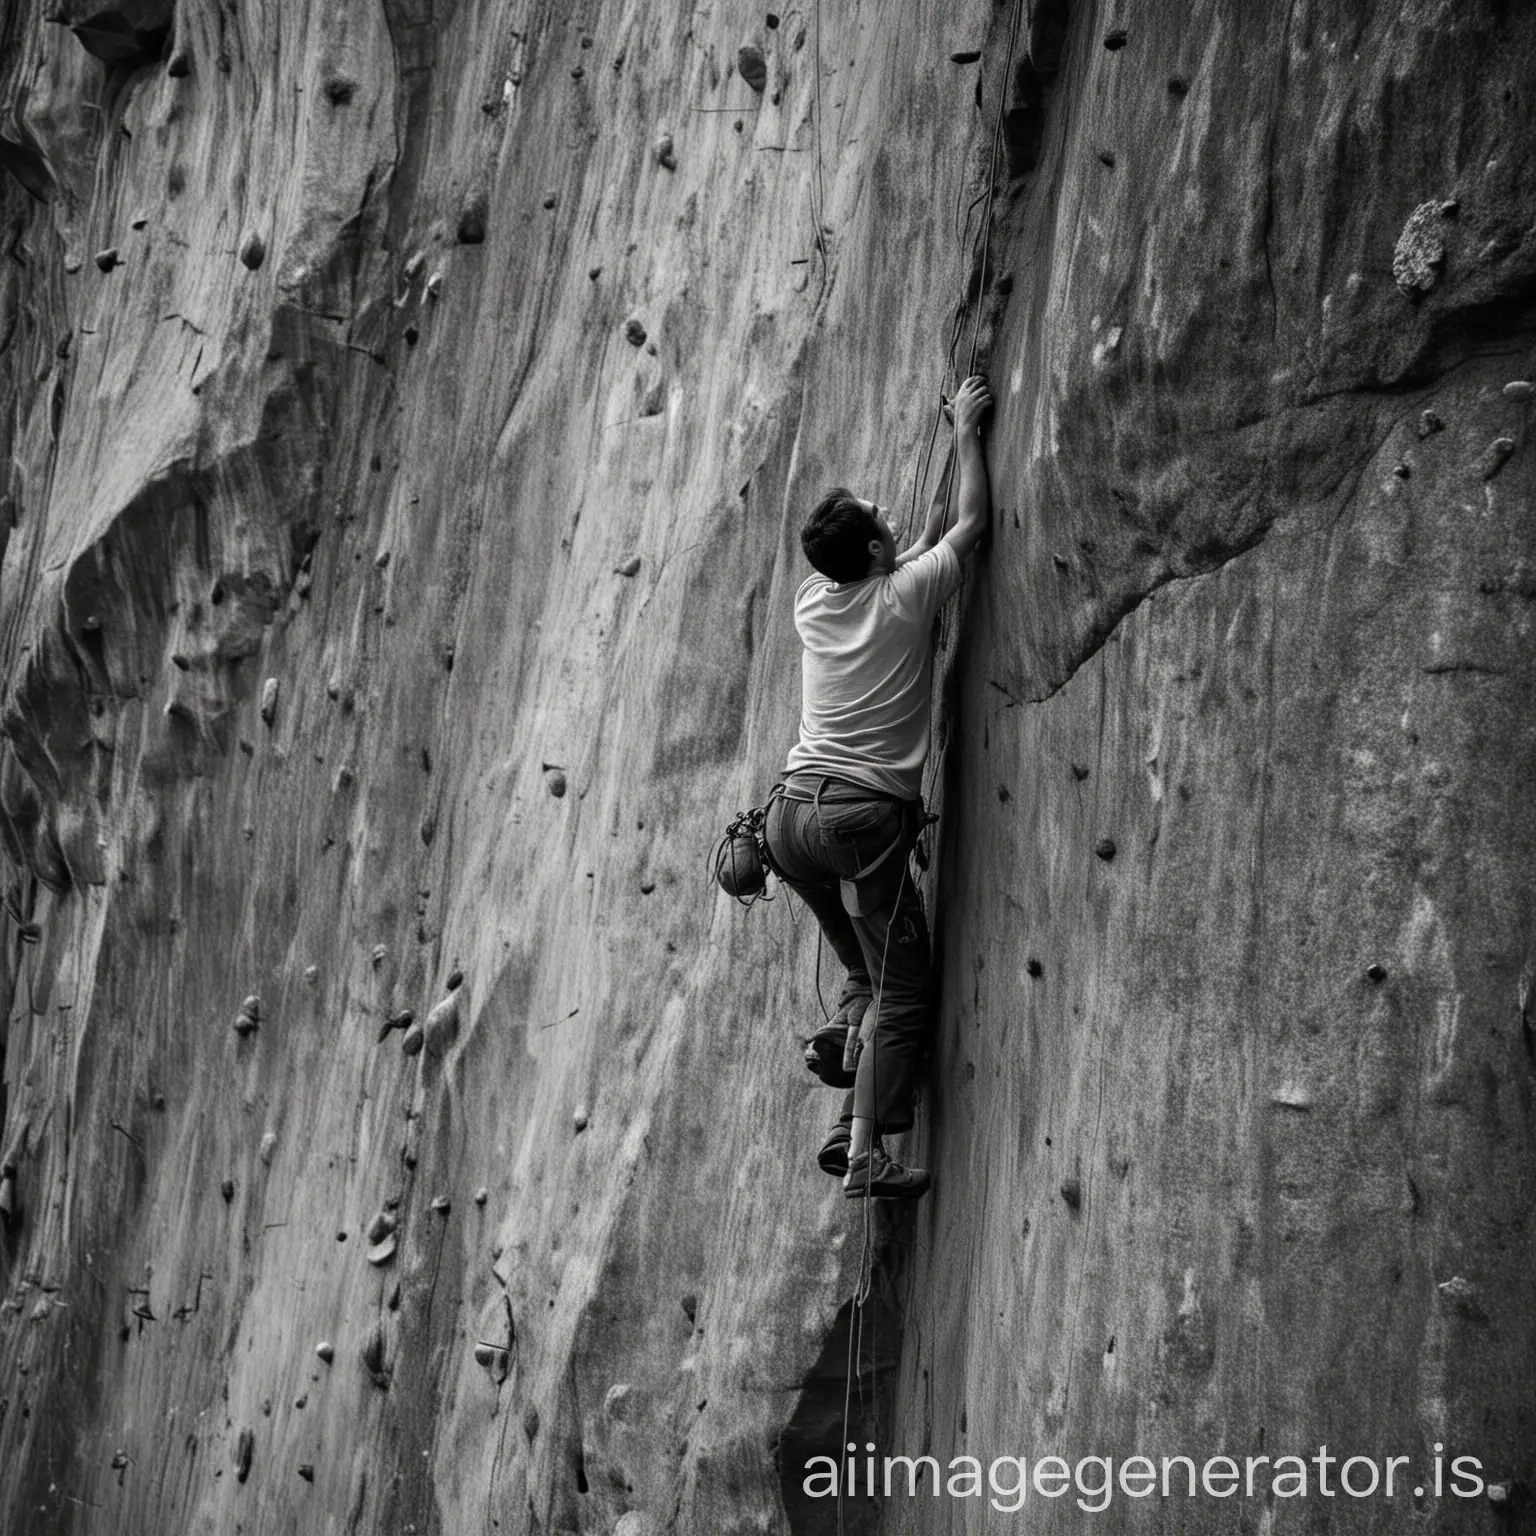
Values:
[(833, 1157), (880, 1178)]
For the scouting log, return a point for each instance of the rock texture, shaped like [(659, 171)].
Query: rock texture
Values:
[(399, 536)]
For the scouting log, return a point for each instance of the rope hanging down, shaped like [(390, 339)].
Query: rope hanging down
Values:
[(862, 1292)]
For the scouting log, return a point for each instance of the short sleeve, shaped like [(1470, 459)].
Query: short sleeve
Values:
[(930, 580)]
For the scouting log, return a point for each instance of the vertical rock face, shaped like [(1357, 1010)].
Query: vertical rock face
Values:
[(431, 438)]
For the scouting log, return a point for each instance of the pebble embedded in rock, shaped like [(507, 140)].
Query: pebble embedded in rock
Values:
[(401, 1020), (381, 1226), (752, 66), (107, 259), (268, 1147), (380, 954), (244, 1025), (1429, 424), (455, 981), (434, 285), (1495, 456), (634, 332), (442, 1204), (253, 252), (1420, 250), (383, 1250), (554, 782), (551, 200), (443, 1021), (581, 1119), (269, 700), (665, 155), (325, 1350), (1105, 848), (630, 567), (482, 1195), (374, 1361), (1519, 390), (415, 1038)]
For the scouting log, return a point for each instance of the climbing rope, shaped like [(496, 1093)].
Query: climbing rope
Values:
[(981, 288), (862, 1293), (855, 1364), (819, 201)]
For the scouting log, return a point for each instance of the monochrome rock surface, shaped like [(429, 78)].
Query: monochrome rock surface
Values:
[(349, 310)]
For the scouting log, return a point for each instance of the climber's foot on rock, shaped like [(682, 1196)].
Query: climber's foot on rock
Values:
[(833, 1157), (880, 1178)]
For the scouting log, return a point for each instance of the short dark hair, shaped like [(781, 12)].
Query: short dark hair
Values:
[(837, 536)]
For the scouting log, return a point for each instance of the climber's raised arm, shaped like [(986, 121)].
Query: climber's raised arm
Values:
[(974, 502), (933, 526)]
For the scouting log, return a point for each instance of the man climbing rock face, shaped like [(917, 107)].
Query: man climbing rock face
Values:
[(841, 827)]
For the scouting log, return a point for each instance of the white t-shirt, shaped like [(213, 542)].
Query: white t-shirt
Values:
[(866, 672)]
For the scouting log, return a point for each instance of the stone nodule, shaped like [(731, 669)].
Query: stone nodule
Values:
[(383, 1251)]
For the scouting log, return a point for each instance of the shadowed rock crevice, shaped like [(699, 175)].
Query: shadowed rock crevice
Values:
[(127, 32), (833, 1387)]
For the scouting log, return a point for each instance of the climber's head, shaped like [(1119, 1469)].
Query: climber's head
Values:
[(847, 538)]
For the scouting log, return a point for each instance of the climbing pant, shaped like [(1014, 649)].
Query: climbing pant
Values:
[(820, 833)]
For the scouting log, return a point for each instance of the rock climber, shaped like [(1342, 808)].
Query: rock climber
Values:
[(846, 816)]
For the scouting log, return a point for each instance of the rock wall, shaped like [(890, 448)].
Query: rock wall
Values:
[(409, 413)]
